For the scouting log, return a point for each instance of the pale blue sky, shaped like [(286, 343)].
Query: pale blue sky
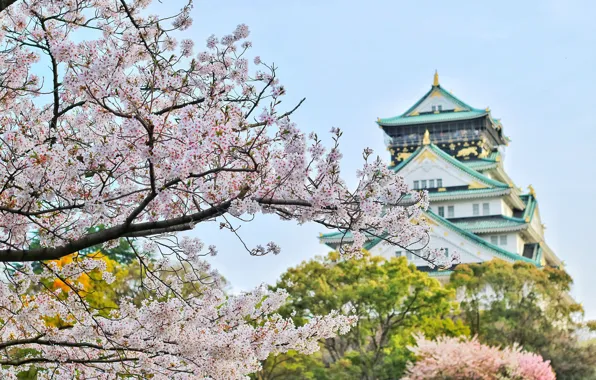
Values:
[(532, 62)]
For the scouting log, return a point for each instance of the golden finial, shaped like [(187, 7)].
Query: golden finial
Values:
[(436, 79), (487, 109), (532, 192), (426, 139)]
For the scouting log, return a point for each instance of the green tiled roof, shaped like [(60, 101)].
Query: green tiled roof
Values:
[(490, 224), (466, 193), (502, 222), (500, 251), (328, 239), (484, 163), (465, 111), (336, 237), (431, 118), (480, 177), (531, 204)]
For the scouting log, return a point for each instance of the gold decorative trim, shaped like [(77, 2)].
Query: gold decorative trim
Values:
[(426, 154), (465, 152), (436, 79), (426, 138), (476, 185), (430, 221), (442, 189), (403, 156)]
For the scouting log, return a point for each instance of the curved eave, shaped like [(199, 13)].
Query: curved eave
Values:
[(430, 118), (515, 201), (489, 230), (550, 256), (481, 166), (500, 252), (484, 179), (468, 194)]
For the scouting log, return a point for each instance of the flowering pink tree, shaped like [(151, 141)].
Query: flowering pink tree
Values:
[(456, 358), (131, 130)]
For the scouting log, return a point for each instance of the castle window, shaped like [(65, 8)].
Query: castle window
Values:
[(439, 182), (398, 253), (451, 211), (416, 185), (431, 183), (446, 250), (503, 240), (442, 211), (440, 108), (434, 108), (423, 184), (485, 208), (494, 240), (476, 209)]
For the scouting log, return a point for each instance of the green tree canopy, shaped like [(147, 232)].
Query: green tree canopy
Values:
[(392, 300)]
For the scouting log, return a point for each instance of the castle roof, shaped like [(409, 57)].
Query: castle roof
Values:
[(437, 105)]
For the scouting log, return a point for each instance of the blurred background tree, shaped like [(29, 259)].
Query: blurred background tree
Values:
[(506, 303)]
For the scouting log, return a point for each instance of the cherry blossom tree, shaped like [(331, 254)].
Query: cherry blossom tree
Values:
[(106, 119), (456, 358)]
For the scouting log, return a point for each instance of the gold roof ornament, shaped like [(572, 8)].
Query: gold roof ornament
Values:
[(532, 191), (436, 79), (426, 139)]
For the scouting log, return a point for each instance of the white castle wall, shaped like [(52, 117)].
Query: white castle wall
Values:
[(465, 208)]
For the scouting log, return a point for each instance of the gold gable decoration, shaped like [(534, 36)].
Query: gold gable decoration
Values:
[(532, 191), (427, 153), (436, 79), (476, 185)]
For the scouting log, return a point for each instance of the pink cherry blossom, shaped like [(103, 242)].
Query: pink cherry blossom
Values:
[(457, 358), (122, 132)]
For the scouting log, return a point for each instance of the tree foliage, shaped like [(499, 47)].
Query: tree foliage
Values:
[(506, 304), (391, 299)]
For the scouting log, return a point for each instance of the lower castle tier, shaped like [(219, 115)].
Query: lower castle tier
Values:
[(455, 152)]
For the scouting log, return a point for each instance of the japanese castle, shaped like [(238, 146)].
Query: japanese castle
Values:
[(455, 152)]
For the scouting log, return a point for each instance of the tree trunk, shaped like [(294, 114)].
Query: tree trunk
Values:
[(5, 4)]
